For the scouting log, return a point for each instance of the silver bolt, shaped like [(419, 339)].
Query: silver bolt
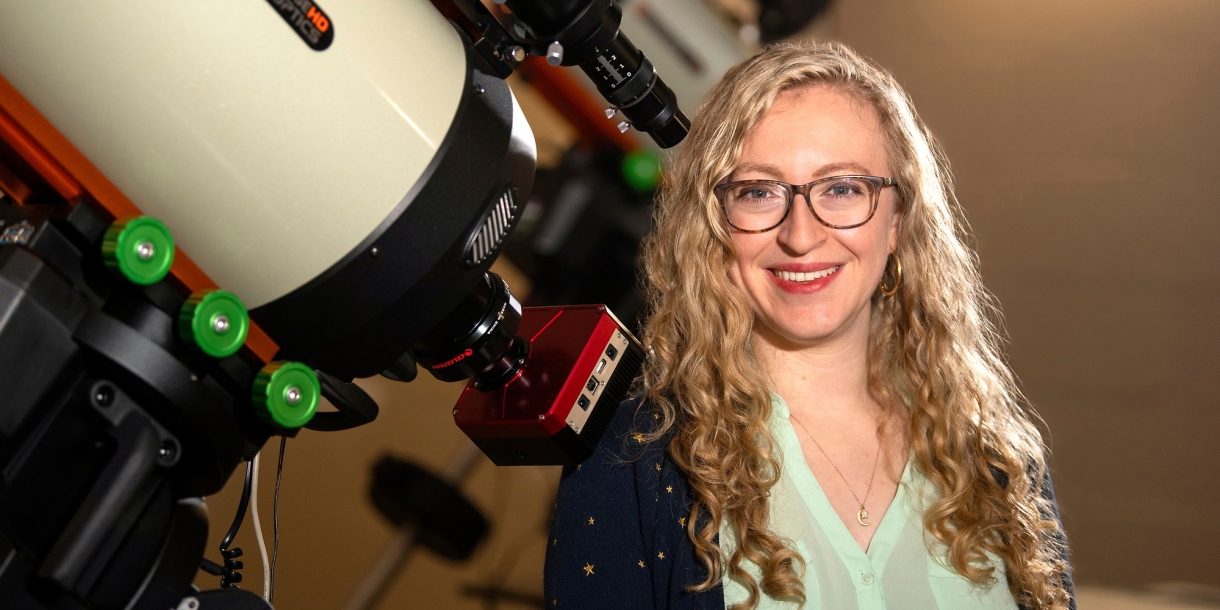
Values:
[(517, 53), (145, 250), (542, 417), (554, 53), (610, 112), (624, 126), (220, 324), (293, 395)]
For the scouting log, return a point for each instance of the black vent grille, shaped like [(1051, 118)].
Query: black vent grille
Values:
[(492, 231), (615, 392)]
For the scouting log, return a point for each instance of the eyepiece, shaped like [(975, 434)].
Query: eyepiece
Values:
[(588, 32), (626, 78)]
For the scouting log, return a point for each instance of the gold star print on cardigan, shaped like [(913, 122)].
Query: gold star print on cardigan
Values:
[(588, 568), (682, 521), (639, 438), (627, 530), (669, 488), (590, 520)]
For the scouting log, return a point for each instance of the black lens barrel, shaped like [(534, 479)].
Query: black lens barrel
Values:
[(477, 337)]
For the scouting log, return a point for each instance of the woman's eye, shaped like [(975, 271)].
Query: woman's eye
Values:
[(758, 193), (843, 189)]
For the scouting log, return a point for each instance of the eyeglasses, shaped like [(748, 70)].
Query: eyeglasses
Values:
[(839, 202)]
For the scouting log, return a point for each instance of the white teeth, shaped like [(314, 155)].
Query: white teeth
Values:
[(793, 276)]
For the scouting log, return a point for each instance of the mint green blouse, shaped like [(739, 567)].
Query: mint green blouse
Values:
[(900, 570)]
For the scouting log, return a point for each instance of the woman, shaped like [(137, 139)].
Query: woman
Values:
[(826, 418)]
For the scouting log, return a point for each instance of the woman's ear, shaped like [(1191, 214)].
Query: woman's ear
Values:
[(895, 222)]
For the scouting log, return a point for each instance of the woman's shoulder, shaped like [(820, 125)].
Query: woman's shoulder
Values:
[(629, 451), (618, 527)]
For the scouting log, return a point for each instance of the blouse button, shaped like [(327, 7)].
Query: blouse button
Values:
[(866, 579)]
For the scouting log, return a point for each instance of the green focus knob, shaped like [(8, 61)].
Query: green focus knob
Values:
[(286, 394), (214, 320), (141, 248)]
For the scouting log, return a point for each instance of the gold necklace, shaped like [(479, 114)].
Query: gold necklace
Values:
[(862, 515)]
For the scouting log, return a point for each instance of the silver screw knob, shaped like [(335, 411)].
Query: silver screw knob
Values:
[(517, 53), (145, 250), (610, 112), (293, 395), (220, 324), (624, 126), (554, 53)]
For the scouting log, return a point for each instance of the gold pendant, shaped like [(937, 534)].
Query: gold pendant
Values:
[(862, 517)]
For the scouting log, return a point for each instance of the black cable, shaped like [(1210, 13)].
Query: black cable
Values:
[(275, 517), (241, 508), (231, 574)]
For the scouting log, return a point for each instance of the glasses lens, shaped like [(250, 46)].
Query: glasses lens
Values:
[(755, 206), (843, 201)]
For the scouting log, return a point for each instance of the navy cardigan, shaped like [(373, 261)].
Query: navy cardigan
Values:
[(618, 533)]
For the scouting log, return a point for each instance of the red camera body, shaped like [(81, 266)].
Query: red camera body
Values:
[(581, 364)]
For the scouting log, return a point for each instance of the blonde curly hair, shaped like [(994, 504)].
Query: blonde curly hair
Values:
[(934, 356)]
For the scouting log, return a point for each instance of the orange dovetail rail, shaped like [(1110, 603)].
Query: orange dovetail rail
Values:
[(71, 174)]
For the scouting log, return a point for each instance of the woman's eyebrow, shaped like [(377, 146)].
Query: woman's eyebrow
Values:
[(831, 169), (758, 168)]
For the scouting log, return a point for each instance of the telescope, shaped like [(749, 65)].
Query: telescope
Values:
[(216, 215)]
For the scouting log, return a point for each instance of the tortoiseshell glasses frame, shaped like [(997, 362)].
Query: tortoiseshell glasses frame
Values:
[(845, 200)]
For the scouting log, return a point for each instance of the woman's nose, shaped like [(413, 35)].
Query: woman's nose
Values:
[(801, 232)]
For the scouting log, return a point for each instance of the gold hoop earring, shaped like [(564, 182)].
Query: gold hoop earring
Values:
[(893, 289)]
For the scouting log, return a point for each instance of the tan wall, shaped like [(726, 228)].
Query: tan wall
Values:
[(1085, 136)]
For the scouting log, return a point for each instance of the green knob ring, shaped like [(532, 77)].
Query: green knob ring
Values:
[(141, 248), (214, 320), (272, 399)]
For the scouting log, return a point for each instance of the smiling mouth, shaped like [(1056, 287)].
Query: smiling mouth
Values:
[(793, 276)]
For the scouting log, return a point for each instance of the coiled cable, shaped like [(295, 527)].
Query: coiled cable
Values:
[(230, 573)]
